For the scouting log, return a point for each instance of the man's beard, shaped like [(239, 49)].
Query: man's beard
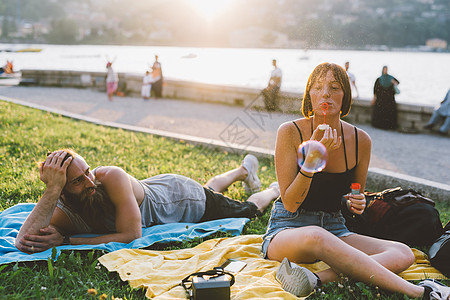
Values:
[(93, 209)]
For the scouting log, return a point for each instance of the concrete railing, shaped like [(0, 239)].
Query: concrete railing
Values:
[(411, 118)]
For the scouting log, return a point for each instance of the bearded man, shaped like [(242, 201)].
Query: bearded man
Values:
[(111, 202)]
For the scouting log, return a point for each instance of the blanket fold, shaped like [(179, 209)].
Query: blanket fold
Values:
[(161, 272)]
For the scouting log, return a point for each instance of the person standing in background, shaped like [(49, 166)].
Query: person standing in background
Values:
[(352, 79), (270, 93), (157, 73), (384, 114), (146, 85), (112, 81)]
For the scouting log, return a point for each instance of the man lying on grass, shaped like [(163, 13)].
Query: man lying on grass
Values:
[(109, 201)]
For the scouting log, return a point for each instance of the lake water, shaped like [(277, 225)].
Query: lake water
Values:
[(424, 76)]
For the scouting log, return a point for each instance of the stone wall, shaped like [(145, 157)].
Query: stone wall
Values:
[(411, 118)]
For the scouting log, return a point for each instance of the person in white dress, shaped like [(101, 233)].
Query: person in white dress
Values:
[(352, 79), (146, 85)]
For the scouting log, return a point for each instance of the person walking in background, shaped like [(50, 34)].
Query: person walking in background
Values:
[(384, 113), (270, 93), (112, 81), (441, 113), (157, 73), (146, 85), (352, 79)]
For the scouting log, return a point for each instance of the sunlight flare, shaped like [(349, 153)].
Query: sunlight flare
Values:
[(209, 8)]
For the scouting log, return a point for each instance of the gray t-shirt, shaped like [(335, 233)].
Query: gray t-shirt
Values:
[(169, 198)]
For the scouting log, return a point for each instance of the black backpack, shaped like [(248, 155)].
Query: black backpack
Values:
[(439, 252), (399, 215)]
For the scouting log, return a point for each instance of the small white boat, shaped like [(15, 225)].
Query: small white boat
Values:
[(190, 55), (15, 75)]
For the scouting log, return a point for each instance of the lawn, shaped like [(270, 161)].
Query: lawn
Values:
[(26, 136)]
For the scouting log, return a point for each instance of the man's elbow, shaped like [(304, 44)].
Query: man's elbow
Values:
[(18, 244), (133, 236), (137, 235)]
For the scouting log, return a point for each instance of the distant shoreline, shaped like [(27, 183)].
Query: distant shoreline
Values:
[(383, 48)]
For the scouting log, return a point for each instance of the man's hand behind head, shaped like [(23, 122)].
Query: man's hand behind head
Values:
[(53, 170)]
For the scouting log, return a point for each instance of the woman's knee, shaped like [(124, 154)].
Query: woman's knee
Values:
[(307, 240), (403, 254), (310, 237), (316, 235)]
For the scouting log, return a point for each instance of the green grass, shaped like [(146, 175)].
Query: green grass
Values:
[(27, 135)]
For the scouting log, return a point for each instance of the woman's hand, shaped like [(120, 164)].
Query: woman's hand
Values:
[(330, 138), (356, 203)]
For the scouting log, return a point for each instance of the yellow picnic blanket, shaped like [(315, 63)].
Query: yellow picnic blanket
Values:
[(161, 272)]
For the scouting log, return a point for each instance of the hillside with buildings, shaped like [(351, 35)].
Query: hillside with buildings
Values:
[(326, 24)]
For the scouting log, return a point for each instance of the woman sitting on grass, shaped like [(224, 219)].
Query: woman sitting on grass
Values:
[(306, 224)]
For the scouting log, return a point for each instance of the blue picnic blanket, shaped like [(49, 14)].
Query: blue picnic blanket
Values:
[(12, 219)]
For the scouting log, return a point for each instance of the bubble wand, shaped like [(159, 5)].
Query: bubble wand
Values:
[(324, 107)]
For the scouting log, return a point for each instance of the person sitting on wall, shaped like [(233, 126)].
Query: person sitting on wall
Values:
[(441, 113), (270, 93)]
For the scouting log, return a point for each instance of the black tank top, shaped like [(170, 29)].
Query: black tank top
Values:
[(327, 189)]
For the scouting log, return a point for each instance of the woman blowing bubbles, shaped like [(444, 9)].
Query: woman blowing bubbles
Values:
[(306, 223)]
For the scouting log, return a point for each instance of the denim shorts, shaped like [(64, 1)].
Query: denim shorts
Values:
[(281, 219)]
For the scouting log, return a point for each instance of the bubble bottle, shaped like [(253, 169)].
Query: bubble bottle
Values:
[(354, 190), (355, 187)]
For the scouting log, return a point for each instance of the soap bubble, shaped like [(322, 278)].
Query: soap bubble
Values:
[(317, 156)]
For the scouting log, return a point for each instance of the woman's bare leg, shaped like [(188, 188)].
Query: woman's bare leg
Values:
[(310, 243)]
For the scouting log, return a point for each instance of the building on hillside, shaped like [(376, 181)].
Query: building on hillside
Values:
[(437, 43)]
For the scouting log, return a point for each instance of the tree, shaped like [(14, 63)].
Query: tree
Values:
[(64, 31), (5, 27)]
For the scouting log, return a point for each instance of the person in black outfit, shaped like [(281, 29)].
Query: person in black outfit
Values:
[(384, 114), (157, 85)]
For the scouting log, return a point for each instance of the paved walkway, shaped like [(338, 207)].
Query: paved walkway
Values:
[(426, 156)]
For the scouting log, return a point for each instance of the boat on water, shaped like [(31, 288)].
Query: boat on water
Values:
[(29, 50), (15, 75), (22, 50), (190, 55)]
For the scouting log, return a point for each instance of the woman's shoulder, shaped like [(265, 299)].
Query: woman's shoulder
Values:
[(292, 126), (362, 135)]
